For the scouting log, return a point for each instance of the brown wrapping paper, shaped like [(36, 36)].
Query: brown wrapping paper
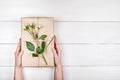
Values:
[(47, 24)]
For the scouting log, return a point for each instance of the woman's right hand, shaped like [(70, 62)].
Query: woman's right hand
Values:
[(57, 53)]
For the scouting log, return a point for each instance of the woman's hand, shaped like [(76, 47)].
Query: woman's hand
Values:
[(58, 74), (18, 63), (57, 53), (18, 55)]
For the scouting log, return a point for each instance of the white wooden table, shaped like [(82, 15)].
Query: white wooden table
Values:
[(88, 32)]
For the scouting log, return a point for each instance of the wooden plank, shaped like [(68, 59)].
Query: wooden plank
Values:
[(10, 32), (83, 55), (69, 32), (38, 73), (88, 32), (70, 73), (91, 54), (7, 73), (92, 73), (7, 53), (81, 10), (76, 73)]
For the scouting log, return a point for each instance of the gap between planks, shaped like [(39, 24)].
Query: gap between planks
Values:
[(71, 43), (76, 66), (65, 21)]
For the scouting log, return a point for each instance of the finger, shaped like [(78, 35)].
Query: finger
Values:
[(18, 46), (21, 53), (55, 55), (54, 52), (57, 46), (20, 58)]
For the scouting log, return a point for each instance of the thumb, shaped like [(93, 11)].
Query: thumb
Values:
[(21, 53), (54, 52)]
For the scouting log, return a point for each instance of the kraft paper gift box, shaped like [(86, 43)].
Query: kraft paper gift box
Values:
[(46, 27)]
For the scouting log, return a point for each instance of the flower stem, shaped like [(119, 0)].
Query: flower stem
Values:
[(50, 42), (44, 59)]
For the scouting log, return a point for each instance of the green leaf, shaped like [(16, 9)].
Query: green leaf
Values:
[(30, 46), (34, 55), (39, 50), (42, 37), (43, 45)]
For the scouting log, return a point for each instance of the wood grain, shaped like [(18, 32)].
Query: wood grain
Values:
[(74, 55), (68, 10), (88, 32), (70, 73), (70, 32)]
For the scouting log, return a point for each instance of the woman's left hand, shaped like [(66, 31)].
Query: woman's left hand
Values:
[(18, 55)]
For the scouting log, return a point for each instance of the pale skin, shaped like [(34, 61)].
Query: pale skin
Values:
[(58, 72)]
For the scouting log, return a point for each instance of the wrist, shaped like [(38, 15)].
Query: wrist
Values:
[(59, 66), (18, 67)]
